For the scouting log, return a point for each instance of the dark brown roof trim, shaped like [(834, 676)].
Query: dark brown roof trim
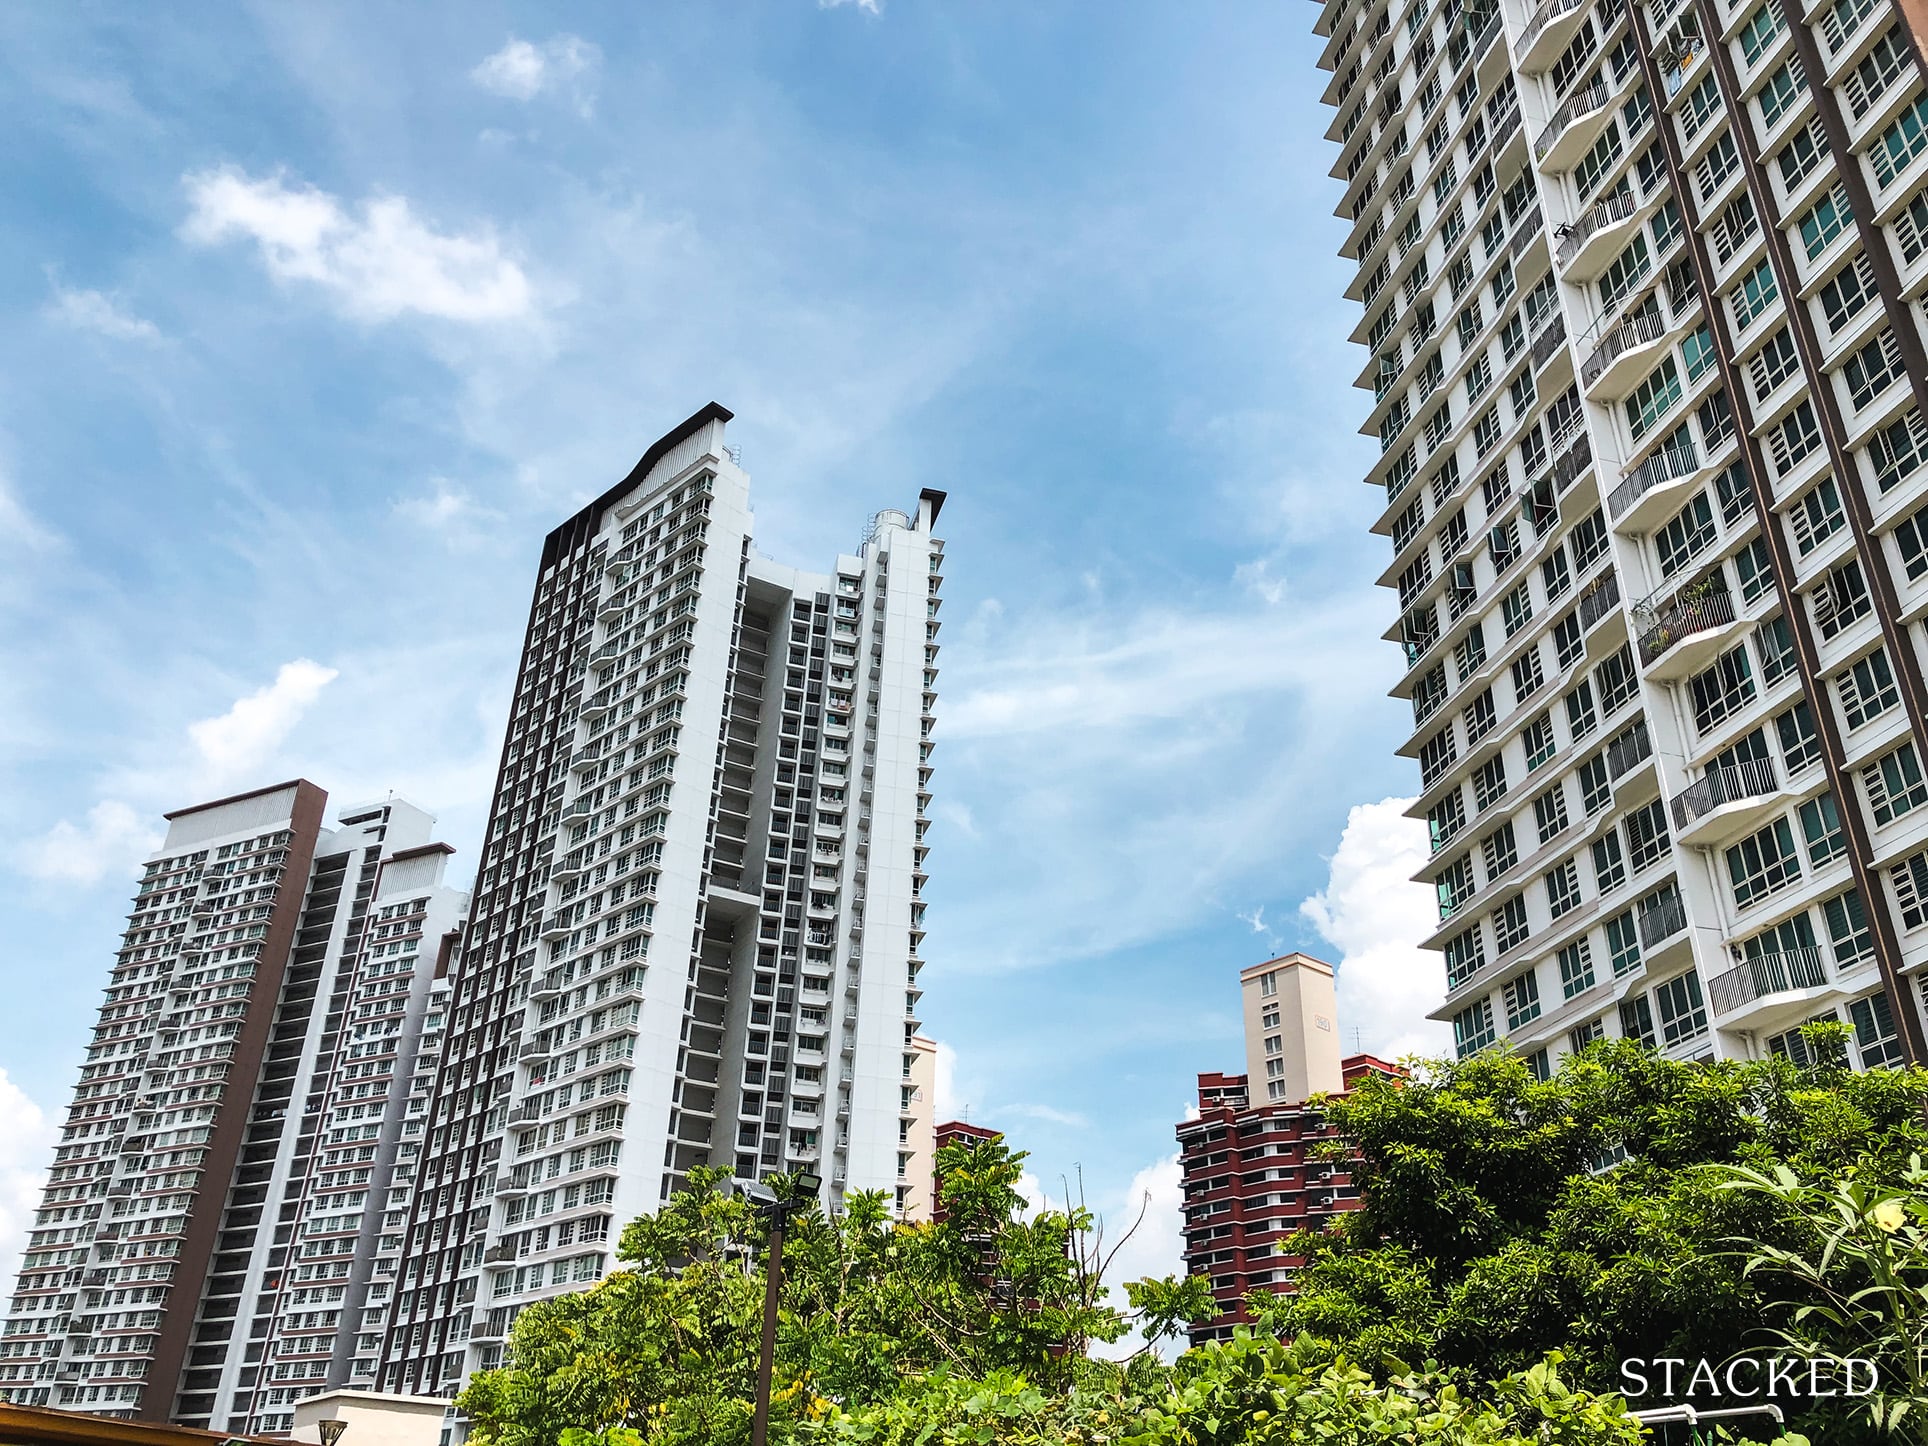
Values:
[(416, 853), (237, 798), (936, 500), (580, 528)]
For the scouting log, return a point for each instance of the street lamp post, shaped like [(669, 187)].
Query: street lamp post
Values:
[(777, 1210)]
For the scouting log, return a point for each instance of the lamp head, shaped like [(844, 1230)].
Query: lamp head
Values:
[(808, 1182)]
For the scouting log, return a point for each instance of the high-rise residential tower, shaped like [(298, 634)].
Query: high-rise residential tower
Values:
[(1641, 288), (205, 1174), (697, 925), (1253, 1161)]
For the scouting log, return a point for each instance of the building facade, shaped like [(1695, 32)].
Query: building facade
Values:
[(1641, 288), (179, 1224), (697, 923), (1256, 1164)]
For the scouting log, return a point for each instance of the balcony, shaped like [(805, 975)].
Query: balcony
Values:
[(1600, 233), (1630, 349), (1660, 920), (1631, 749), (1547, 34), (1657, 488), (1762, 978), (1727, 804), (1599, 600), (1688, 634), (1575, 126)]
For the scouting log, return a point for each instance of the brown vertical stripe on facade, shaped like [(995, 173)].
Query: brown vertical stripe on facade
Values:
[(1807, 653), (179, 1313)]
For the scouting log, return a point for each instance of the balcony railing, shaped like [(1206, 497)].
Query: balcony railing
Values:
[(1524, 234), (1614, 209), (1631, 748), (1580, 103), (1684, 619), (1575, 460), (1751, 778), (1548, 342), (1551, 11), (1764, 975), (1638, 330), (1602, 598), (1664, 466), (1661, 920)]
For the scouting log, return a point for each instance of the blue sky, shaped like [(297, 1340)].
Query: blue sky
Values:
[(317, 317)]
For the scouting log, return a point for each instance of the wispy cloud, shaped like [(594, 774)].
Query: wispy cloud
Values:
[(18, 527), (26, 1147), (112, 840), (869, 7), (1375, 915), (378, 261), (1049, 1114), (449, 513), (243, 738), (522, 71), (99, 313)]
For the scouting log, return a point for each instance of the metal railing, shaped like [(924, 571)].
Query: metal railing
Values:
[(1663, 466), (1638, 330), (1614, 209), (1551, 11), (1633, 747), (1581, 103), (1661, 920), (1684, 619), (1548, 342), (1766, 974), (1600, 599), (1750, 778)]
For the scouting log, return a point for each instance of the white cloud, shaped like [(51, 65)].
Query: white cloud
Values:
[(96, 312), (1155, 1247), (379, 261), (1047, 1113), (18, 526), (243, 738), (522, 71), (869, 7), (448, 512), (114, 839), (26, 1148), (1376, 916)]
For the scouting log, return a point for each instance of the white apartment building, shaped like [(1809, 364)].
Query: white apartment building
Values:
[(697, 926), (1641, 288), (178, 1234)]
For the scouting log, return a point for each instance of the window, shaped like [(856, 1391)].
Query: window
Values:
[(1469, 652), (1755, 293), (1873, 369), (1486, 432), (1816, 517), (1637, 1020), (1617, 680), (1848, 933), (1479, 717), (1580, 716), (1821, 823), (1800, 745), (1759, 31), (1489, 783), (1436, 755), (1776, 646), (1562, 888), (1619, 279), (1896, 450), (1473, 1028), (1509, 924), (1522, 1000), (1783, 88), (1721, 690), (1268, 985), (1454, 886), (1539, 741), (1798, 158), (1653, 398), (1554, 575), (1869, 80), (1875, 1033), (1569, 643), (1901, 142), (1596, 792), (1623, 944), (1429, 692), (1500, 851), (1609, 867), (1517, 609), (1582, 1035), (1720, 162), (1867, 688), (1911, 538), (1754, 566), (1763, 864), (1589, 540), (1549, 812), (1465, 957), (1825, 220), (1576, 969), (1682, 1014), (1773, 364), (1527, 676), (1647, 835), (1698, 349), (1703, 103), (1841, 599), (1848, 294), (1894, 784), (1793, 438), (1685, 535)]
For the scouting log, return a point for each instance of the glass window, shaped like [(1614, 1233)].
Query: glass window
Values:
[(1522, 1000), (1623, 944), (1821, 824), (1682, 1014), (1760, 865), (1576, 969)]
